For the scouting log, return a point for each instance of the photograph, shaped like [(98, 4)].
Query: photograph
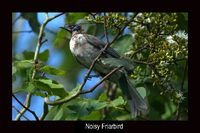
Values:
[(100, 66)]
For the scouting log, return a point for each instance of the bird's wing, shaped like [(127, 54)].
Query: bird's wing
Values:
[(94, 41)]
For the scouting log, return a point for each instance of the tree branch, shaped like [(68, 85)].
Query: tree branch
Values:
[(27, 105), (143, 62), (102, 80), (67, 99), (45, 111), (138, 50), (20, 112), (32, 112), (37, 50)]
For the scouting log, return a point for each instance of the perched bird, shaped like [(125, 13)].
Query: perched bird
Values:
[(86, 48)]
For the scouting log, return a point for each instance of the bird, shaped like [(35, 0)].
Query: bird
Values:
[(86, 47)]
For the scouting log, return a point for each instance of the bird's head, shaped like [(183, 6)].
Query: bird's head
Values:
[(73, 28)]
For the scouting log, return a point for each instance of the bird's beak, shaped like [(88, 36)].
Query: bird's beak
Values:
[(67, 28)]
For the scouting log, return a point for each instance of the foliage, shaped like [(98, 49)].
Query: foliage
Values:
[(155, 43)]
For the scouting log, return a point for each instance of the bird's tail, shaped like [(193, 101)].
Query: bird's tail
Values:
[(137, 104)]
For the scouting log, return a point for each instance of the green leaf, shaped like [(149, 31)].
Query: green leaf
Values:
[(91, 29), (17, 90), (28, 55), (78, 105), (62, 38), (170, 109), (123, 117), (32, 20), (69, 95), (42, 56), (94, 115), (99, 29), (59, 114), (72, 18), (52, 112), (123, 44), (182, 21), (30, 87), (95, 105), (103, 97), (142, 91), (70, 115), (14, 70), (23, 68), (52, 70), (23, 64), (117, 102), (84, 107), (75, 90), (52, 87)]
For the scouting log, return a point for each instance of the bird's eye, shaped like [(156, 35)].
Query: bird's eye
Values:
[(77, 27)]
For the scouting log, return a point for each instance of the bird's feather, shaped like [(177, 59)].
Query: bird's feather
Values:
[(137, 103), (94, 41)]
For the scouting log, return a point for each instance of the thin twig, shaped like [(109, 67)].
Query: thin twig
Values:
[(138, 50), (32, 112), (20, 112), (143, 62), (40, 36), (67, 99), (45, 111), (44, 41), (27, 104), (17, 18), (102, 80)]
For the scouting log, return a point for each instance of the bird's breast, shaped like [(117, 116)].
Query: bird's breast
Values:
[(79, 46)]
